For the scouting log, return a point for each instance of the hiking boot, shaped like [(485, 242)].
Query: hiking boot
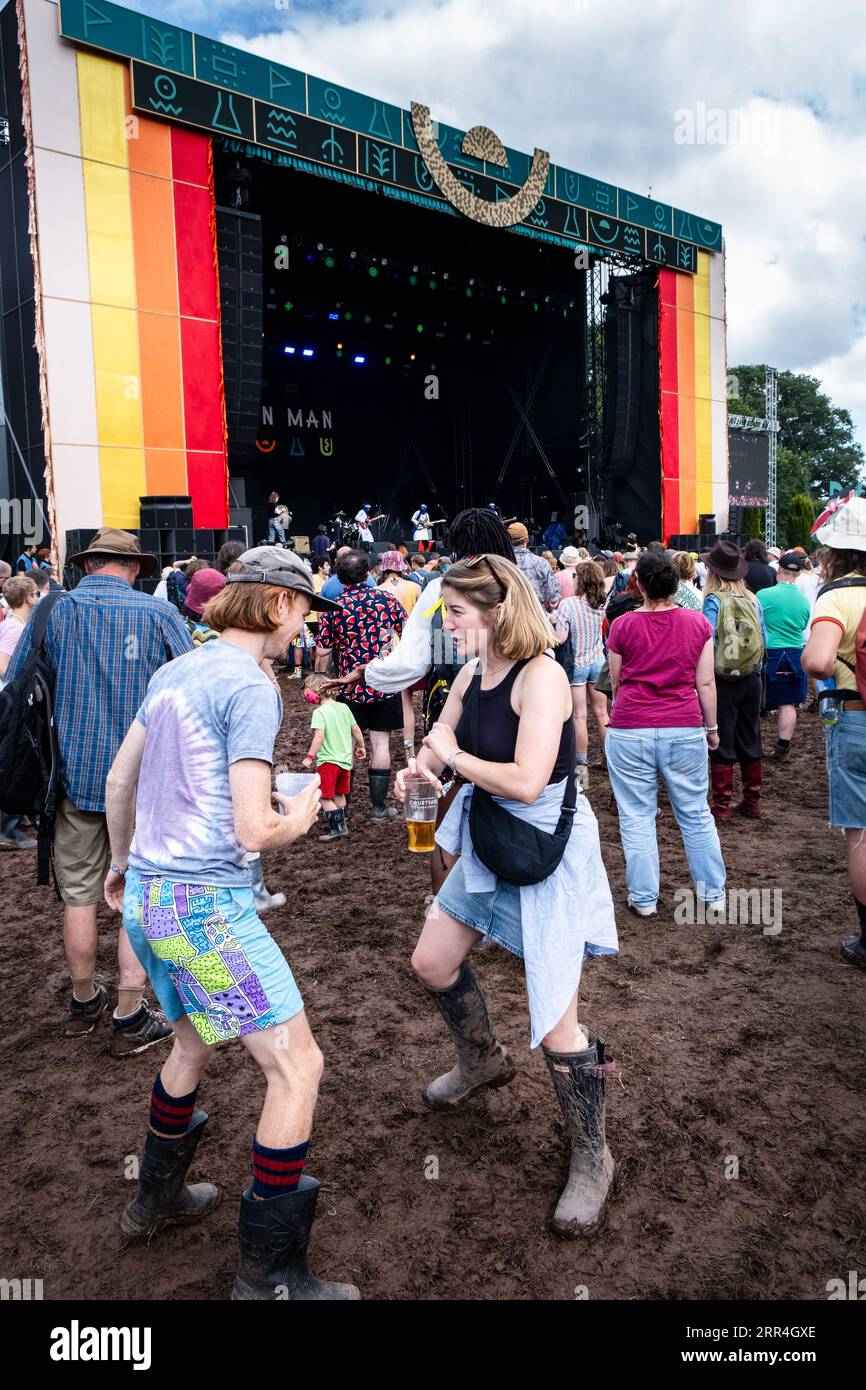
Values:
[(140, 1031), (84, 1015), (163, 1198), (854, 949), (579, 1080), (481, 1061), (273, 1236)]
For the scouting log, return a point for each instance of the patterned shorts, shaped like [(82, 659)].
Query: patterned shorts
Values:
[(209, 955)]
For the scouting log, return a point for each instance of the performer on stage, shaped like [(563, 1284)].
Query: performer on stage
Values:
[(365, 535), (421, 528), (279, 520)]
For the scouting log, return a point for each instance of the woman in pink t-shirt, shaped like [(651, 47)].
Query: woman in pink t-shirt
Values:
[(662, 719)]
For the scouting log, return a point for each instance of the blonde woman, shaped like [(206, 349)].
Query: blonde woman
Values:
[(738, 695), (581, 619), (507, 728), (687, 594)]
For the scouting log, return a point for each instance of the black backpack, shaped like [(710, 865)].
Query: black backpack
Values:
[(29, 756)]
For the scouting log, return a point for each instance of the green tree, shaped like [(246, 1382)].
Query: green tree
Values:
[(816, 444), (801, 516)]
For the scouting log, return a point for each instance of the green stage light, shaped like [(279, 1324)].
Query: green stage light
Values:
[(330, 262), (503, 299), (433, 284), (367, 318), (468, 337), (413, 279), (373, 271), (348, 314), (288, 306), (339, 352), (419, 327), (387, 361), (535, 307)]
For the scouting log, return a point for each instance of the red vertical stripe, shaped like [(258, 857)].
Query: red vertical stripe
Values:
[(189, 156), (196, 273), (668, 403)]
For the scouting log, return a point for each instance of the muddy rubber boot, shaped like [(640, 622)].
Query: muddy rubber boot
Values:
[(337, 829), (273, 1236), (481, 1060), (722, 784), (163, 1198), (752, 781), (264, 900), (579, 1082), (379, 778)]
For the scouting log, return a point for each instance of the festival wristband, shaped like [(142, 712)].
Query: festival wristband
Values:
[(116, 869), (711, 728)]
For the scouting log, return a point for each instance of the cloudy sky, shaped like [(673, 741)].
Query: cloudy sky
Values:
[(777, 86)]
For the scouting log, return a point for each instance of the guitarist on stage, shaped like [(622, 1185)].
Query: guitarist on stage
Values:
[(421, 528), (362, 520)]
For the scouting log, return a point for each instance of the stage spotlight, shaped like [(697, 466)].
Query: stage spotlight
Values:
[(309, 255), (503, 299), (330, 262), (419, 328), (353, 254), (347, 315), (433, 284), (411, 357), (339, 345), (445, 275), (307, 352), (468, 293), (413, 279), (415, 269), (288, 306), (384, 260), (320, 246), (367, 318), (289, 350), (388, 361), (468, 337), (373, 271), (359, 360), (333, 316), (472, 279)]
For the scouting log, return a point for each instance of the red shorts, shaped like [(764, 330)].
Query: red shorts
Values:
[(336, 781)]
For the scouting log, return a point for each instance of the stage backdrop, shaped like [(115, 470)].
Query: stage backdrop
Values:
[(124, 229), (693, 396)]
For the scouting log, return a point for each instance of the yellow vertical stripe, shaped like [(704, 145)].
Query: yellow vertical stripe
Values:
[(109, 235), (103, 109)]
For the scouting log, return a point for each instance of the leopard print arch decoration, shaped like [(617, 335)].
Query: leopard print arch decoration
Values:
[(480, 143)]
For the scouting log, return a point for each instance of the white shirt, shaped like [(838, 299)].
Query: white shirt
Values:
[(422, 527), (363, 529), (414, 656)]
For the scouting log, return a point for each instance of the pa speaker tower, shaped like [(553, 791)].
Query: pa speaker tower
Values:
[(239, 253)]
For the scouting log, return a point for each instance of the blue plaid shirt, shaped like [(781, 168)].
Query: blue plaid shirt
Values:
[(104, 640)]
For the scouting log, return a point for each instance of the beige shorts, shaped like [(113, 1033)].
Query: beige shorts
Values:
[(82, 854)]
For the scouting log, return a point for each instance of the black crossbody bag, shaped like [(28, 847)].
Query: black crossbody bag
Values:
[(509, 847)]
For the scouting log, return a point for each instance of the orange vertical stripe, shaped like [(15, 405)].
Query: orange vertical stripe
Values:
[(153, 238), (161, 390)]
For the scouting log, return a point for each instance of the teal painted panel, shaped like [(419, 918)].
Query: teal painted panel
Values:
[(340, 106), (125, 32), (691, 228), (646, 212), (586, 192), (246, 72)]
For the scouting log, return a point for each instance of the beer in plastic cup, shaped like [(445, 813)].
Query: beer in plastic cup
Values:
[(420, 809)]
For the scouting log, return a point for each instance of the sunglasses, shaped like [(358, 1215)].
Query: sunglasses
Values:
[(474, 560)]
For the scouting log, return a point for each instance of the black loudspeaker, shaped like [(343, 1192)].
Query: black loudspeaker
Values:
[(239, 254), (630, 470), (707, 524)]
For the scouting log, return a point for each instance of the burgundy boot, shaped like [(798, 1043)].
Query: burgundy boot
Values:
[(752, 778), (722, 783)]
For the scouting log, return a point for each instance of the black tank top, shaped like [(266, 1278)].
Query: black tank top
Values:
[(498, 725)]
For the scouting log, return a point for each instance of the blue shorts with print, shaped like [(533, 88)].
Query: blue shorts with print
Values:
[(846, 770), (581, 674), (496, 914), (209, 955)]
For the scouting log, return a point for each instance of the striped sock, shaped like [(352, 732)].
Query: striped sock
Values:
[(170, 1115), (277, 1171)]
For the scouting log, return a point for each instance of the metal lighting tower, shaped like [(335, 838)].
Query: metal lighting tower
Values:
[(771, 392)]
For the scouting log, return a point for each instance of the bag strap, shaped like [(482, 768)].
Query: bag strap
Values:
[(850, 583), (39, 621), (569, 800)]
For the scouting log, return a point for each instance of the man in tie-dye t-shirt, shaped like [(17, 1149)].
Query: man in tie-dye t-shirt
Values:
[(194, 774)]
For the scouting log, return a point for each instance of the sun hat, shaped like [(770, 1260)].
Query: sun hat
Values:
[(774, 551), (202, 587), (842, 526), (267, 564), (570, 556), (110, 541), (726, 561), (518, 533), (392, 560)]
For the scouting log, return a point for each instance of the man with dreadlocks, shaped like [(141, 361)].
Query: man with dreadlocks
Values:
[(427, 650)]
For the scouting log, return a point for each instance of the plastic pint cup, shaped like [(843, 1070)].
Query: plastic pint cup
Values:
[(420, 810), (293, 783)]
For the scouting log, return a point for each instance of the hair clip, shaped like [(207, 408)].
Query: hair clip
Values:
[(311, 696)]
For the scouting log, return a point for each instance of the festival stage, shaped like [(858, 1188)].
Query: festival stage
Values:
[(226, 270)]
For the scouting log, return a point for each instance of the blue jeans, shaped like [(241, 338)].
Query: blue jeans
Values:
[(276, 533), (635, 758)]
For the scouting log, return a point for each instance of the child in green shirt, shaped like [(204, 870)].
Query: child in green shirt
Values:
[(335, 730)]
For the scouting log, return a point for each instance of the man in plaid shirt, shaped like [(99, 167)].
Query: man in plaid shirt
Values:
[(537, 570), (361, 630), (104, 641)]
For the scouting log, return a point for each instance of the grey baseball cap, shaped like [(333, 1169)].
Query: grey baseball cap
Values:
[(267, 564)]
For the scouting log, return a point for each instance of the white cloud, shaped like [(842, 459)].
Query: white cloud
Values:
[(597, 84)]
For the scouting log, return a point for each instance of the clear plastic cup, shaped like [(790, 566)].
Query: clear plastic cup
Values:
[(420, 808), (292, 783)]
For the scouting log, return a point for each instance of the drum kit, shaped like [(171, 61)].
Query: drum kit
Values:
[(344, 530)]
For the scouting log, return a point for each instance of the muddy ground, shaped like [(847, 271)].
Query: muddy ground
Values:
[(731, 1045)]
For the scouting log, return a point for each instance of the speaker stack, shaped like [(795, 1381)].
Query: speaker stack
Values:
[(239, 255)]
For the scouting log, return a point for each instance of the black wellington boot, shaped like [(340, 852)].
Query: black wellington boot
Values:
[(163, 1198), (379, 777), (579, 1082), (273, 1236), (481, 1061)]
